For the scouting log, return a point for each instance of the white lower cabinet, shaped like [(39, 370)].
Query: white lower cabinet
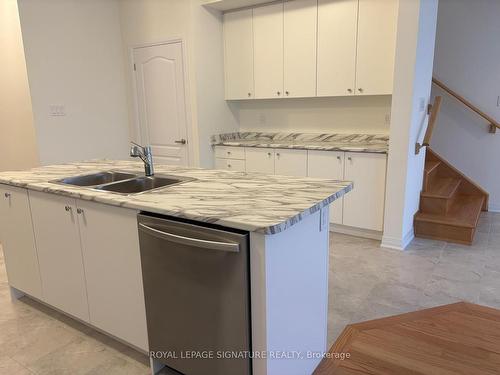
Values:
[(259, 160), (57, 236), (290, 162), (90, 263), (328, 164), (18, 242), (230, 164), (111, 257), (364, 205)]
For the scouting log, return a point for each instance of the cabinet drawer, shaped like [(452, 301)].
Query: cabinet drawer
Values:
[(227, 152), (230, 164)]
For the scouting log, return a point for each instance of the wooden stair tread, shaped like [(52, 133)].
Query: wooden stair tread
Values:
[(430, 165), (464, 212), (443, 188)]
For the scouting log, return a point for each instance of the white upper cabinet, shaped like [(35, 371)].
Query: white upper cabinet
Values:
[(377, 26), (18, 241), (290, 162), (238, 54), (337, 30), (268, 50), (300, 25)]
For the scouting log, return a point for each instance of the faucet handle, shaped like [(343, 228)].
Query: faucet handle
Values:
[(134, 151)]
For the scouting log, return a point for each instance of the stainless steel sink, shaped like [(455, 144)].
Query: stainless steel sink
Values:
[(143, 184), (96, 179)]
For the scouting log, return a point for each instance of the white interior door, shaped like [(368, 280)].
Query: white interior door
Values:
[(161, 101)]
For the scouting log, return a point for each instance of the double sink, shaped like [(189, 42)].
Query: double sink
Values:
[(122, 182)]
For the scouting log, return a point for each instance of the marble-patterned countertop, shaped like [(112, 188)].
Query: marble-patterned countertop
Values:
[(248, 201), (377, 143)]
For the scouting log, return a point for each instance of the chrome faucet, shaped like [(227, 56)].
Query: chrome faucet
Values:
[(138, 151)]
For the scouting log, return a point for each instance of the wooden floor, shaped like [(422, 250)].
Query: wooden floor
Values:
[(461, 338)]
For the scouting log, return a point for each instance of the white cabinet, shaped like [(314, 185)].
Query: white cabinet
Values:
[(259, 160), (110, 247), (57, 236), (364, 205), (300, 25), (328, 164), (290, 162), (337, 31), (230, 164), (268, 50), (377, 24), (238, 54), (18, 242)]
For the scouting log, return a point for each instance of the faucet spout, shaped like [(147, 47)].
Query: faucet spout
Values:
[(145, 154)]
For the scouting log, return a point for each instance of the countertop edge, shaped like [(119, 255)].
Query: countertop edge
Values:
[(267, 230), (303, 147)]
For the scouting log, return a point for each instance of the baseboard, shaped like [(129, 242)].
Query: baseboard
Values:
[(493, 207), (397, 243), (356, 232)]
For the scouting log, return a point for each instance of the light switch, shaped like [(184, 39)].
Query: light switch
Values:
[(57, 110)]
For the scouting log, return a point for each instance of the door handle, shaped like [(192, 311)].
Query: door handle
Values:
[(181, 141), (211, 245)]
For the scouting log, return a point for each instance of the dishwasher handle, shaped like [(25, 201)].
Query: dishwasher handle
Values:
[(212, 245)]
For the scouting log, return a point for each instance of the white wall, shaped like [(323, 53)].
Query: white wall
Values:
[(150, 21), (412, 84), (467, 60), (367, 114), (74, 58), (17, 134)]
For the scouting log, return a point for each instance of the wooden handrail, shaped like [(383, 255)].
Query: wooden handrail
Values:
[(433, 112), (494, 124)]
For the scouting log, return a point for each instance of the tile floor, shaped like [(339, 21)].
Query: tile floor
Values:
[(366, 282)]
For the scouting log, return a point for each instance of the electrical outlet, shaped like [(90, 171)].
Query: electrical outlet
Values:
[(57, 110)]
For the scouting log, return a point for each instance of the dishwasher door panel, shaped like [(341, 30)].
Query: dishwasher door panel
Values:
[(196, 287)]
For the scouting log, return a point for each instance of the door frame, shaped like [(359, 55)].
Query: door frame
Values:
[(187, 95)]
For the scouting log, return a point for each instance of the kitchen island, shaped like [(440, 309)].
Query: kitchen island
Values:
[(77, 249)]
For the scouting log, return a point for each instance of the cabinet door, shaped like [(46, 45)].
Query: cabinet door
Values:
[(291, 162), (59, 253), (110, 247), (238, 54), (337, 29), (377, 25), (18, 242), (259, 160), (364, 205), (268, 50), (230, 164), (328, 164), (300, 26)]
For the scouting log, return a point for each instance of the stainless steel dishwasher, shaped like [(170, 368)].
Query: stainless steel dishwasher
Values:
[(196, 288)]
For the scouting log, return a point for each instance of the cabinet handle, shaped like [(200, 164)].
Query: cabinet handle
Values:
[(338, 158), (279, 93), (79, 211), (287, 93), (229, 165), (360, 89), (67, 208), (249, 94), (278, 154), (349, 90), (268, 154), (7, 195), (349, 158)]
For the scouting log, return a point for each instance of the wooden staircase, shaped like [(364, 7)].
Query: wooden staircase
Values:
[(450, 203)]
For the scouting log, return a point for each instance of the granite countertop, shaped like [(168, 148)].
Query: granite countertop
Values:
[(249, 201), (376, 143)]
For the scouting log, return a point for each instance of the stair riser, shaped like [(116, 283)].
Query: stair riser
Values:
[(444, 232), (429, 178), (435, 205)]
